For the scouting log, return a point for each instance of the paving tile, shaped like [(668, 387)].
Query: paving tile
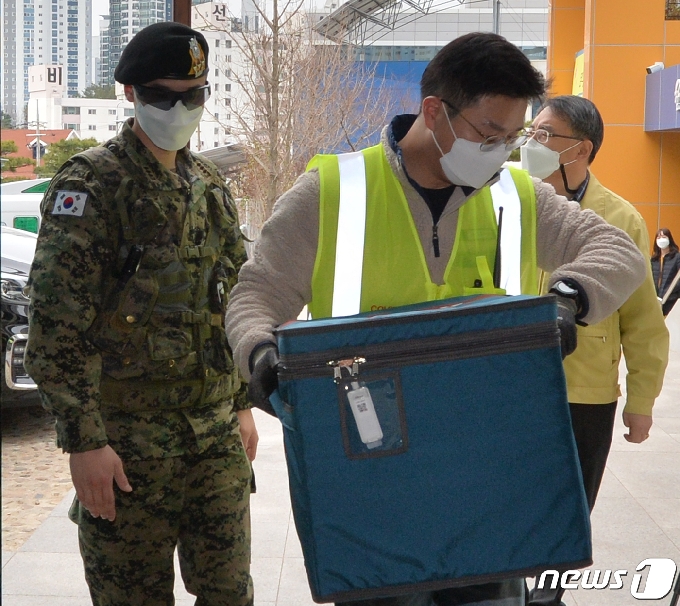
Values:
[(611, 487), (671, 425), (7, 556), (65, 505), (624, 524), (57, 534), (665, 512), (625, 532), (44, 574), (294, 588), (269, 539), (272, 513), (266, 573), (270, 505), (674, 535), (648, 474), (293, 547)]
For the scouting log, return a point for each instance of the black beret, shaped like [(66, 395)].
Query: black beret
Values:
[(163, 50)]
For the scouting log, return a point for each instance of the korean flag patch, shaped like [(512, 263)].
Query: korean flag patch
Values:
[(70, 203)]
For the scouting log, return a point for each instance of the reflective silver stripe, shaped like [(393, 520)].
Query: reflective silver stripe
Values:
[(349, 247), (504, 193)]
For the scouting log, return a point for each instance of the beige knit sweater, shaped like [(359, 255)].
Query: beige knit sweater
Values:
[(275, 284)]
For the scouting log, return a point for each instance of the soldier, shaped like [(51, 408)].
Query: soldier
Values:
[(138, 249)]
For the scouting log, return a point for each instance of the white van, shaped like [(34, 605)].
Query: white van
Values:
[(20, 203)]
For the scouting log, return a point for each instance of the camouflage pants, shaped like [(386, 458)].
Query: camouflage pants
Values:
[(199, 505)]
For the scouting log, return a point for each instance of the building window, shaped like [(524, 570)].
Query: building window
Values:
[(227, 43), (91, 111), (72, 126), (112, 127), (91, 127), (227, 87), (217, 131), (217, 72), (129, 111), (70, 110), (217, 43), (227, 102), (217, 86), (227, 58), (112, 112)]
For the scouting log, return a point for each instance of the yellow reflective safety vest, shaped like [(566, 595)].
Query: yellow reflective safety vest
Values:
[(369, 254)]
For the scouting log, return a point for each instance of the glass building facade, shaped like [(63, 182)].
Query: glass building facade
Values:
[(126, 18)]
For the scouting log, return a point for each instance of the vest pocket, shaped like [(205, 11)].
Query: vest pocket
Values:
[(137, 301), (122, 330), (170, 350), (169, 343)]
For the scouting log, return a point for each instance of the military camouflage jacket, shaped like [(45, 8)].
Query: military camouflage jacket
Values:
[(128, 289)]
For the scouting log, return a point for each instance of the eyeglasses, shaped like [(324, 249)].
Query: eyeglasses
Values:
[(543, 136), (512, 141), (165, 99)]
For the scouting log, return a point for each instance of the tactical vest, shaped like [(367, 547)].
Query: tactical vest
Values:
[(392, 268), (165, 323)]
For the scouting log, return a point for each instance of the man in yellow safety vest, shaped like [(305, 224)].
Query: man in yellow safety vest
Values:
[(415, 219)]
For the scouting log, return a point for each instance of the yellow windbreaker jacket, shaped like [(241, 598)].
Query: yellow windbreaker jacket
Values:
[(637, 328)]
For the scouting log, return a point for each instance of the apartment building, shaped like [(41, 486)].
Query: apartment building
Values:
[(41, 32)]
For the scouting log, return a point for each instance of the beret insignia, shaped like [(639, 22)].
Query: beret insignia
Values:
[(197, 58)]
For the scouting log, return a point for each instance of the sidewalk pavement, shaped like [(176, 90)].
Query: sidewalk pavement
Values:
[(637, 516)]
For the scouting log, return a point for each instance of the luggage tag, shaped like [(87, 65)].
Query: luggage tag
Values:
[(361, 404)]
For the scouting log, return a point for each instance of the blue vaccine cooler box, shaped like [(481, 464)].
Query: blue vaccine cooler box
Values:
[(430, 446)]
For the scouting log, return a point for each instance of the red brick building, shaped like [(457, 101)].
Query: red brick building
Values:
[(27, 143)]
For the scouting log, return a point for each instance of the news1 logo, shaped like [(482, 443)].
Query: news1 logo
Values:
[(660, 577)]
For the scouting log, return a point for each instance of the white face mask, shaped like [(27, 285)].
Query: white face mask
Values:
[(662, 242), (466, 164), (541, 161), (170, 130)]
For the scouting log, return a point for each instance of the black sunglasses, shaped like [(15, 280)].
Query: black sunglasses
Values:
[(165, 99)]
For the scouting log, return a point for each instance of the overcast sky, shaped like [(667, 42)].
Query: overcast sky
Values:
[(99, 7)]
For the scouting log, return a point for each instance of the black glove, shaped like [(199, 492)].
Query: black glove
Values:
[(264, 377), (566, 322)]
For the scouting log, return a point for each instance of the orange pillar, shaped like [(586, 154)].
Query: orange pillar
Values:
[(565, 38), (620, 39)]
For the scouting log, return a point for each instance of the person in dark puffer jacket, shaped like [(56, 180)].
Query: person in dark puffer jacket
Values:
[(665, 266)]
